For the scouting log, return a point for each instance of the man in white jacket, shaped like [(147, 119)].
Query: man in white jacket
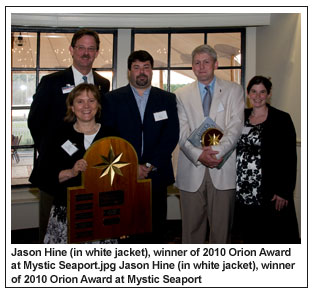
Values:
[(208, 193)]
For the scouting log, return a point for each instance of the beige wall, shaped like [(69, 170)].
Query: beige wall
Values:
[(278, 55)]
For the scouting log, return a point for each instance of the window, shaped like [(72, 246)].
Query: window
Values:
[(35, 53), (172, 49)]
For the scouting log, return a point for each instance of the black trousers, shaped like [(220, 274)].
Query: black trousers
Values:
[(265, 225)]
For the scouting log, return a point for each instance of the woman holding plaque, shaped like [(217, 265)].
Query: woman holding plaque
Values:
[(65, 154), (266, 171)]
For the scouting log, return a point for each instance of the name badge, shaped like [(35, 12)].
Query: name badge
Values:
[(69, 148), (160, 115), (67, 89), (246, 130)]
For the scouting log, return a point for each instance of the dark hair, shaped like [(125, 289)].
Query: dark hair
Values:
[(85, 32), (77, 91), (140, 55), (260, 79)]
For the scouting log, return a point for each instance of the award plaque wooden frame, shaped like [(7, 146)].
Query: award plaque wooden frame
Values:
[(111, 202)]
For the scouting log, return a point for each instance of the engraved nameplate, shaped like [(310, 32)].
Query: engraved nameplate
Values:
[(84, 225), (81, 216), (84, 234), (110, 198), (111, 221), (111, 212), (83, 197), (84, 206)]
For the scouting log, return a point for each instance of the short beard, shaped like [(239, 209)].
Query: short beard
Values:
[(141, 83)]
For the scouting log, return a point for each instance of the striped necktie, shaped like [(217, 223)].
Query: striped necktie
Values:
[(85, 79), (207, 101)]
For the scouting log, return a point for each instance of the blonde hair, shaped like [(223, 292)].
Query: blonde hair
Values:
[(205, 49)]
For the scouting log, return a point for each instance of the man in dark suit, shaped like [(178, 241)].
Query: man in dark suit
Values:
[(48, 108), (146, 117)]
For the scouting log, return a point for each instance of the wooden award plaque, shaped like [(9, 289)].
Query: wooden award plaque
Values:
[(111, 202)]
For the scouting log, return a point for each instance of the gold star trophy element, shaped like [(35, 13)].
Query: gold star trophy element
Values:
[(111, 165), (214, 139), (211, 136)]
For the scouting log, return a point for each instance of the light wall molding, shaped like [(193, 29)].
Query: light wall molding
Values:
[(140, 20)]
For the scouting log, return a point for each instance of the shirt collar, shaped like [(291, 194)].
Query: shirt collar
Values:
[(202, 87), (135, 92), (78, 76)]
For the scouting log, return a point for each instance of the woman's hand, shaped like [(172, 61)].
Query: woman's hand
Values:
[(80, 165), (280, 202)]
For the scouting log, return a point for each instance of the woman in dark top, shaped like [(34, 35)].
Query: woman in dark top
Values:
[(64, 157), (266, 171)]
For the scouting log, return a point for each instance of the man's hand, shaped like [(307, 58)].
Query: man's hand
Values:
[(143, 171), (208, 157)]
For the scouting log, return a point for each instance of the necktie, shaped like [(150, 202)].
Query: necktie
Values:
[(85, 79), (207, 101)]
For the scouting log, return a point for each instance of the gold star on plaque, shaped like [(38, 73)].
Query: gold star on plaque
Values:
[(111, 165), (213, 139)]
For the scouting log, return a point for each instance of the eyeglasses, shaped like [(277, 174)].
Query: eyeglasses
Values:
[(83, 49)]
